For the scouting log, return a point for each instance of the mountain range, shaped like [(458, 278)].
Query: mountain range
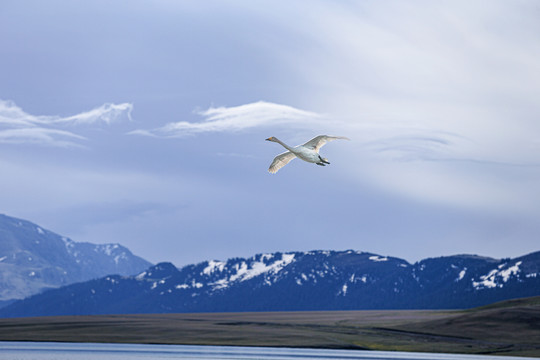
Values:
[(315, 280), (33, 259)]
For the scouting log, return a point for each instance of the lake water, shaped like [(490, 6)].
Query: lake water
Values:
[(89, 351)]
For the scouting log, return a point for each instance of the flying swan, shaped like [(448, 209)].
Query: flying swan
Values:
[(308, 152)]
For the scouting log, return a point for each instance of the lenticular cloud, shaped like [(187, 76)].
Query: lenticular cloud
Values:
[(236, 118), (19, 127)]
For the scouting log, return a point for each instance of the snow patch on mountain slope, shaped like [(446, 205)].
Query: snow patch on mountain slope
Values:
[(245, 271), (257, 268), (490, 280), (68, 243), (213, 266), (510, 271), (461, 274), (109, 248)]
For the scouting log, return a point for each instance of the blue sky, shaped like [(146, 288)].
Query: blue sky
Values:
[(143, 123)]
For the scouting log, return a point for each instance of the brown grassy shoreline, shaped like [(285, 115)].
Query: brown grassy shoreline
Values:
[(512, 328)]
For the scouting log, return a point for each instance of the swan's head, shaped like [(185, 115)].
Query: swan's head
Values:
[(271, 138)]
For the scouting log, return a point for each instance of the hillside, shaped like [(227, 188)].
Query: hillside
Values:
[(34, 259), (296, 281), (510, 328)]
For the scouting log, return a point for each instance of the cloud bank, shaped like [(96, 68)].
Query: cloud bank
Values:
[(442, 103), (236, 118), (19, 127)]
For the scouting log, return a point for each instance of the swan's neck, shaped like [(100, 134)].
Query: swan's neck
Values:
[(284, 145)]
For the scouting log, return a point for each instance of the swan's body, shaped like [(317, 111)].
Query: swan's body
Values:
[(308, 152)]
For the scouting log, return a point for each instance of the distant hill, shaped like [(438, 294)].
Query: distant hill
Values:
[(507, 328), (316, 280), (33, 259)]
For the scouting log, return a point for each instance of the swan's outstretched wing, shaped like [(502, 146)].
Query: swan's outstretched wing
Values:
[(280, 161), (317, 142)]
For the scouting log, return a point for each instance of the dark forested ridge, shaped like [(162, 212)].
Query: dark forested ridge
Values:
[(296, 281)]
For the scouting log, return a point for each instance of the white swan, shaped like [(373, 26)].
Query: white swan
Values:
[(308, 152)]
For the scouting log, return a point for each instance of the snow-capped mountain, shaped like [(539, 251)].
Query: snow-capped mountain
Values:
[(316, 280), (33, 259)]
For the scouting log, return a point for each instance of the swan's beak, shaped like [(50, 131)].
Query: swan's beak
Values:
[(269, 139)]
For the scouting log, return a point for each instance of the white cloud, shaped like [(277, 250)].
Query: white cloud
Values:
[(19, 127), (38, 135), (237, 118), (440, 100), (106, 113)]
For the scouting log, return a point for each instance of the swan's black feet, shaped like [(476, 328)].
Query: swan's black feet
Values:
[(323, 161), (321, 164)]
